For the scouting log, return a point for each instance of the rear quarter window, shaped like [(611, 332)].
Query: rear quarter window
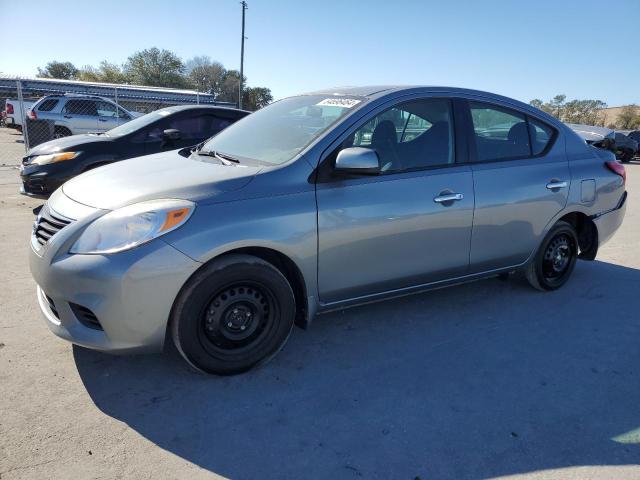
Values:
[(541, 136), (48, 105)]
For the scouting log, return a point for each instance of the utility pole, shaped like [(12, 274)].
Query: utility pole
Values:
[(244, 8)]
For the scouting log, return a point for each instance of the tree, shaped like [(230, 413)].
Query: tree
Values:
[(60, 70), (575, 111), (155, 67), (206, 76), (230, 85), (254, 98), (628, 118), (106, 72)]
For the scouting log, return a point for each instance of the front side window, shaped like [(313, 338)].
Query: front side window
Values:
[(123, 114), (81, 107), (277, 133), (106, 109), (198, 127), (413, 135), (499, 133)]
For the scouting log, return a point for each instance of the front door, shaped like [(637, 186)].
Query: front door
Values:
[(409, 225)]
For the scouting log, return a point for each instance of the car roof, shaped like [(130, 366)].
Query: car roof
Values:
[(377, 91), (181, 108)]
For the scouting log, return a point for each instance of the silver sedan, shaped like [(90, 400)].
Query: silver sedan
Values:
[(315, 203)]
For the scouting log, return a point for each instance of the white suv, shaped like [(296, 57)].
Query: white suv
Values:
[(74, 114)]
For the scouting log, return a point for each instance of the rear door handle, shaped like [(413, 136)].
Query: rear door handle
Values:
[(556, 185), (102, 119), (448, 197)]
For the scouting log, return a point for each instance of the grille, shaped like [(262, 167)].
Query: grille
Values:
[(85, 316), (48, 224)]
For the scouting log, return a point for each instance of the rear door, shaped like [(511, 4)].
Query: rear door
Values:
[(80, 116), (521, 180), (395, 230)]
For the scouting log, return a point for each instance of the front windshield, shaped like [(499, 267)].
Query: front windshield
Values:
[(277, 133), (137, 123)]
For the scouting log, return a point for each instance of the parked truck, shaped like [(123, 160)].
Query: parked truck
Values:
[(14, 112)]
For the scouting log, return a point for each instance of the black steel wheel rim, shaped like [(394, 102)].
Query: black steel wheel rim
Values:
[(558, 257), (237, 317)]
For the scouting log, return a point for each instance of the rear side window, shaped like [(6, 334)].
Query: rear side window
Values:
[(541, 135), (81, 107), (48, 105), (499, 133)]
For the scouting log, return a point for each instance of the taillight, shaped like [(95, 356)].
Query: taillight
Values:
[(9, 109), (618, 169), (31, 115)]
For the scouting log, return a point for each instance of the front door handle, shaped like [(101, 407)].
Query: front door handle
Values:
[(448, 197), (102, 119), (556, 185)]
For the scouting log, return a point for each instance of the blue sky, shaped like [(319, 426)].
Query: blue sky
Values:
[(584, 49)]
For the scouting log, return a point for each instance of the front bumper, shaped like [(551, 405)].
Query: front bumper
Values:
[(129, 293), (38, 183)]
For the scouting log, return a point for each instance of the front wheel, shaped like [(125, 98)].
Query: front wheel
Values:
[(236, 313), (556, 258), (61, 132)]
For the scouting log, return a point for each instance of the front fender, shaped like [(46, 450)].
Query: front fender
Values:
[(283, 223)]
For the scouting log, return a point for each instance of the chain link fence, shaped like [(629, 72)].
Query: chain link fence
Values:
[(34, 111)]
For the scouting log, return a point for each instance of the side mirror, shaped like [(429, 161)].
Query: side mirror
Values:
[(171, 134), (358, 161)]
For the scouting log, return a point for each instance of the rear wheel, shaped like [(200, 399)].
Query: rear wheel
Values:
[(234, 314), (555, 260)]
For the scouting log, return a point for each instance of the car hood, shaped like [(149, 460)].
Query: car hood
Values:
[(66, 143), (163, 175)]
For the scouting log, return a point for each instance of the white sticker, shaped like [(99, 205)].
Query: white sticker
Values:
[(164, 113), (338, 102)]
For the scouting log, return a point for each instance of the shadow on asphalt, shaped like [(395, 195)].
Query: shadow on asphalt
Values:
[(480, 380)]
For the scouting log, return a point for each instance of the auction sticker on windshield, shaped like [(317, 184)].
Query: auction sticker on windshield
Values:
[(338, 102)]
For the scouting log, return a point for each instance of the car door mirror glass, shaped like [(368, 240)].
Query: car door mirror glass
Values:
[(358, 161)]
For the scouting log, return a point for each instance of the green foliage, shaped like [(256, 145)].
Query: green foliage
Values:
[(205, 75), (59, 70), (163, 68), (106, 72), (629, 118), (156, 68), (254, 98), (587, 112)]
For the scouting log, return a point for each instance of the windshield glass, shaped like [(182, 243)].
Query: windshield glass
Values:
[(137, 123), (277, 133)]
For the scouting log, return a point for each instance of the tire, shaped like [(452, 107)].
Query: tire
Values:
[(555, 260), (234, 314), (59, 132)]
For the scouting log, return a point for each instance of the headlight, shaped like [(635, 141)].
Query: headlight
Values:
[(133, 225), (53, 158)]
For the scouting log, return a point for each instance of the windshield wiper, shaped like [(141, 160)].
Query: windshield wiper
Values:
[(223, 157)]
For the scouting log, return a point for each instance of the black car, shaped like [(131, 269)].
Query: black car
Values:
[(50, 164), (635, 135), (626, 147)]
